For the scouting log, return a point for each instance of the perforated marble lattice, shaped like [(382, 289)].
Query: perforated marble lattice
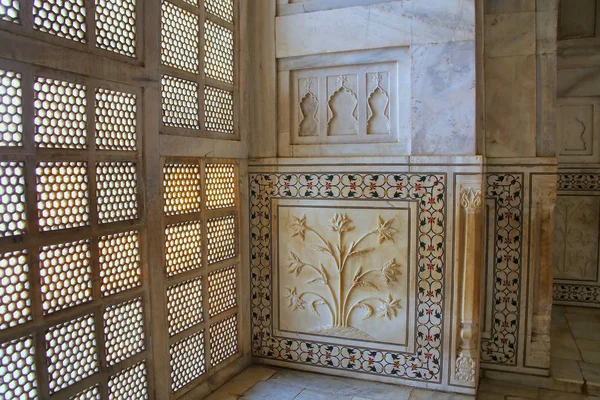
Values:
[(131, 383), (63, 18), (223, 340), (184, 305), (222, 293), (123, 330), (11, 106), (218, 52), (116, 190), (9, 10), (220, 8), (71, 352), (220, 186), (187, 360), (222, 242), (92, 393), (60, 114), (115, 26), (12, 199), (180, 31), (120, 266), (15, 296), (181, 188), (17, 363), (183, 247), (66, 275), (116, 120), (218, 110), (180, 106), (62, 195)]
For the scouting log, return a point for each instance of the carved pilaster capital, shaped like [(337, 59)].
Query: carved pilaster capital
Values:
[(471, 198), (545, 195), (465, 368)]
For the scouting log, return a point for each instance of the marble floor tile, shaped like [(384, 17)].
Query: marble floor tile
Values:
[(308, 394), (582, 310), (418, 394), (589, 330), (566, 370), (489, 396), (563, 345), (591, 372), (590, 350), (269, 390), (508, 389)]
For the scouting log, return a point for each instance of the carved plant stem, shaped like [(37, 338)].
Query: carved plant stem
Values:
[(333, 297), (347, 296), (347, 316), (324, 301)]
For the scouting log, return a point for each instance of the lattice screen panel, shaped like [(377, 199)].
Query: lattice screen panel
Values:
[(92, 393), (12, 199), (199, 76), (63, 18), (11, 110), (15, 296), (115, 26), (9, 10), (200, 205), (60, 114), (72, 299), (115, 120), (66, 275), (17, 363)]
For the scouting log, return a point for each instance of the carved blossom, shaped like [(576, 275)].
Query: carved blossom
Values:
[(385, 230), (388, 307), (298, 226), (341, 223), (390, 271), (294, 299)]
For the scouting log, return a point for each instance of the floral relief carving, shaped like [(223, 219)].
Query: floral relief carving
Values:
[(465, 369), (342, 261), (427, 191), (471, 198), (576, 237)]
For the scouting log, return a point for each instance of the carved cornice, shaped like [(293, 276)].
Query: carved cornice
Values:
[(471, 198)]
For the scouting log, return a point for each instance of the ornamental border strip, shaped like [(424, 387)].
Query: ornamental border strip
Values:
[(429, 191), (506, 191), (576, 181), (576, 293)]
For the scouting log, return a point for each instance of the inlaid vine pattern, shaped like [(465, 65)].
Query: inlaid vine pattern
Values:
[(506, 191), (429, 192)]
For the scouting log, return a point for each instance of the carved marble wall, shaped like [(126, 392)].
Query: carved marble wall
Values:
[(577, 271), (368, 268), (396, 77)]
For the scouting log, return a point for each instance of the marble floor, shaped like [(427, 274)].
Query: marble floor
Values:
[(576, 346), (575, 374)]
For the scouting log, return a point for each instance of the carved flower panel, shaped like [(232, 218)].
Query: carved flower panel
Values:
[(344, 271), (576, 238)]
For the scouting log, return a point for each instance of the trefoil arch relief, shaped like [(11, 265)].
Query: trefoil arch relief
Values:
[(342, 260), (342, 105)]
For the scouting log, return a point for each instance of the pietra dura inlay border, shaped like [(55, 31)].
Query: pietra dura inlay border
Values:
[(429, 191)]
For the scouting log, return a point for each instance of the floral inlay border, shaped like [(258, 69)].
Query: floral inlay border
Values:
[(506, 191), (576, 293), (426, 189), (579, 181)]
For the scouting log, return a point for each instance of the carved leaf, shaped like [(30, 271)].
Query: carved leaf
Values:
[(361, 252), (321, 249), (367, 308), (368, 284), (316, 280), (357, 274), (324, 273), (314, 304), (295, 264)]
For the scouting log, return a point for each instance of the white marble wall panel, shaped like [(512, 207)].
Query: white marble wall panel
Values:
[(389, 24), (443, 98), (579, 130), (577, 19)]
